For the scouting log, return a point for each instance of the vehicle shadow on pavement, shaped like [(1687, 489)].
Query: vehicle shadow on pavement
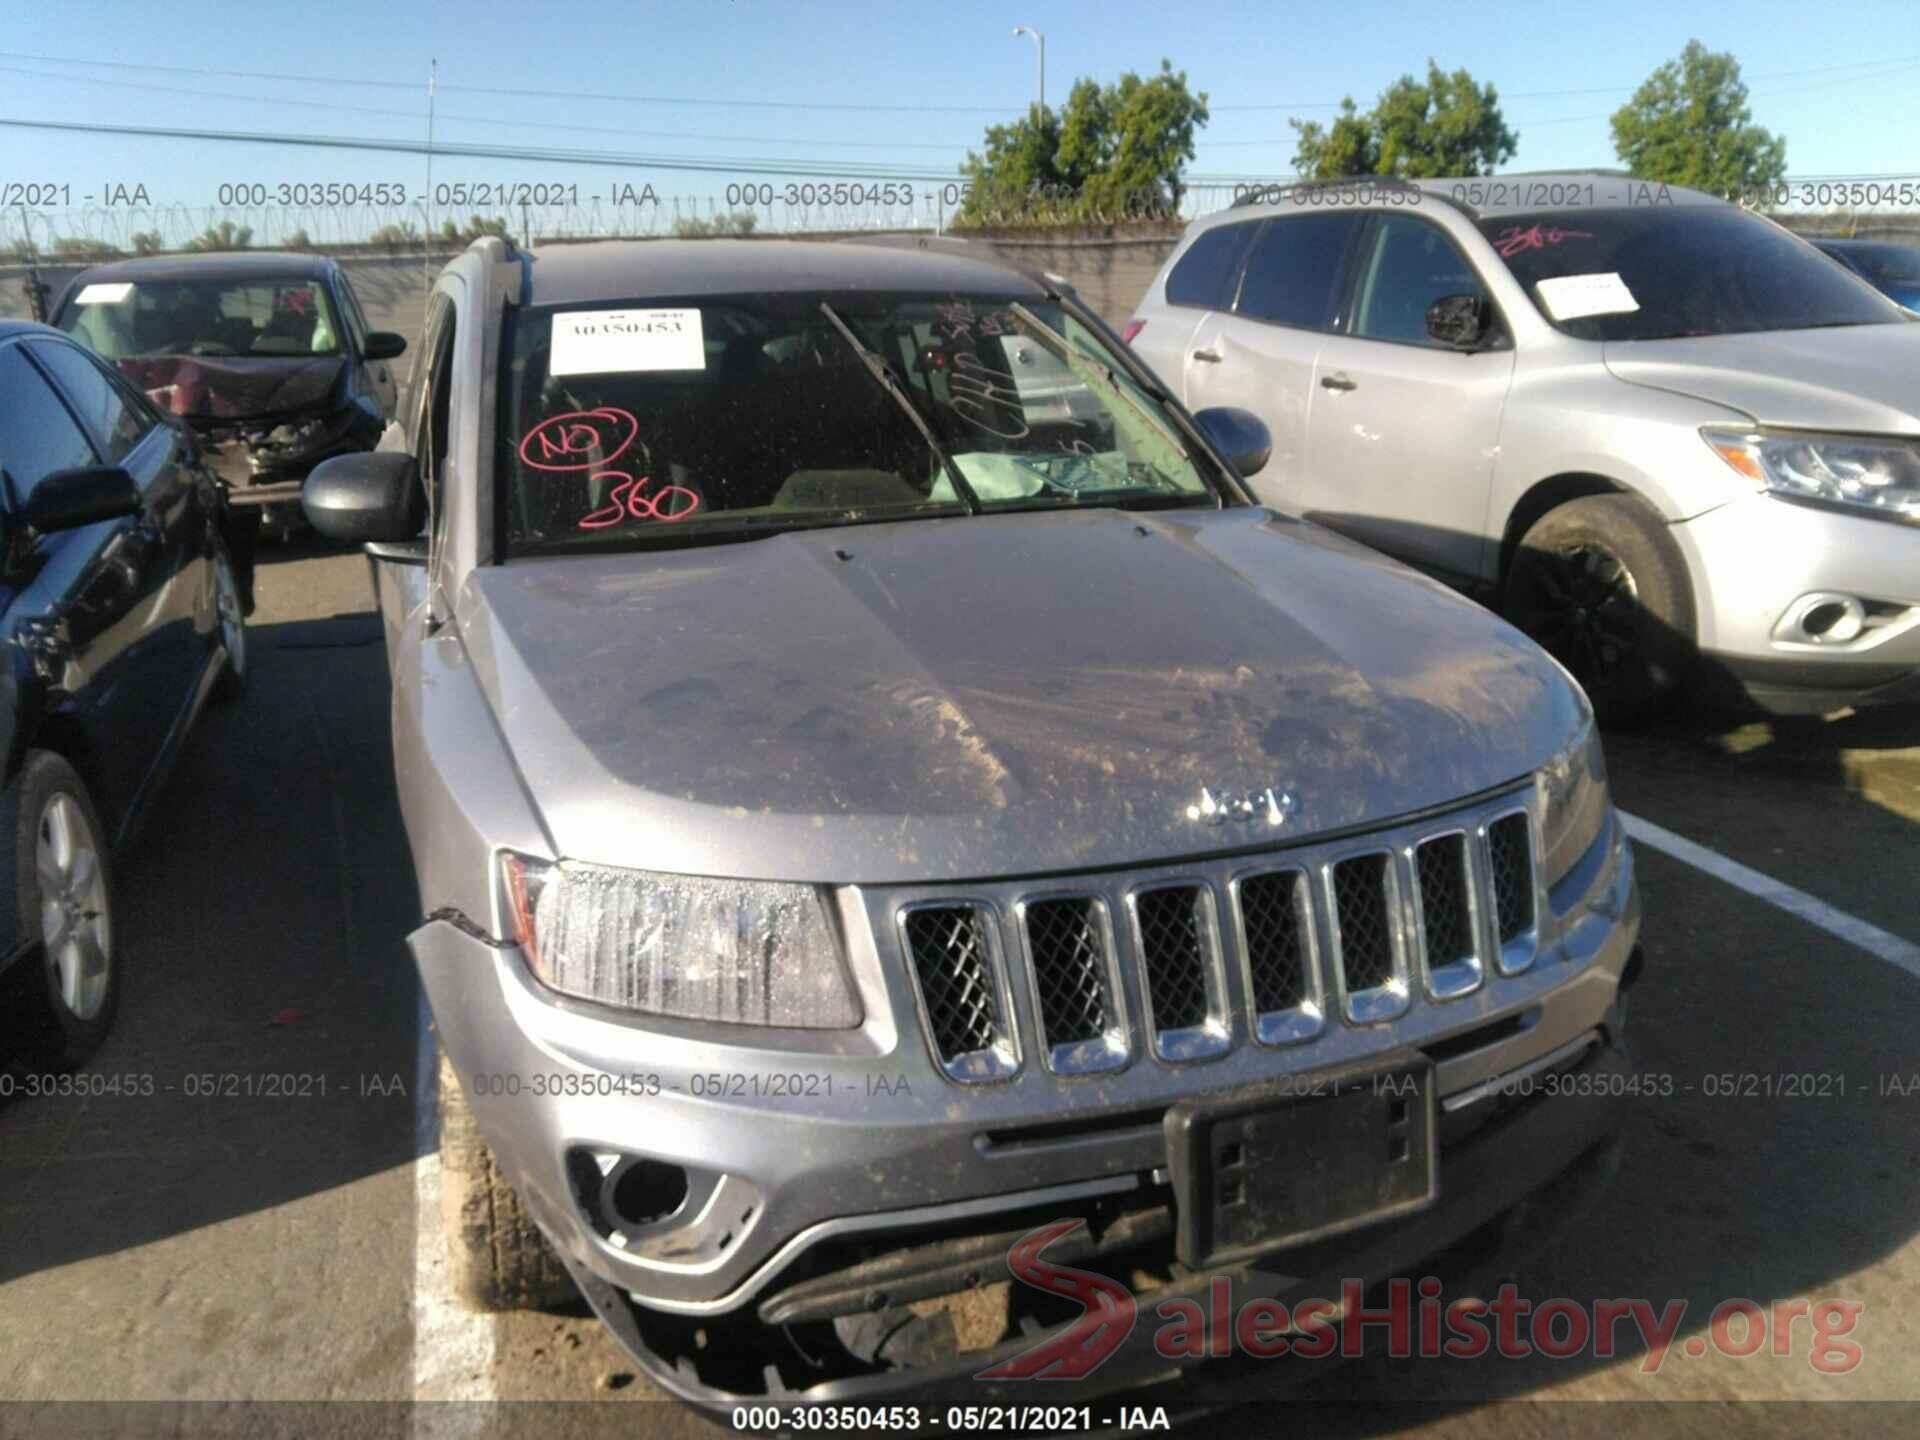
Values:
[(264, 1049), (1775, 1153)]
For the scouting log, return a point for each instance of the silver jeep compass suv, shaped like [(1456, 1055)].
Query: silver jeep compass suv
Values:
[(871, 803), (1662, 434)]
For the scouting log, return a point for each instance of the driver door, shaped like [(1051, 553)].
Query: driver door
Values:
[(1404, 429)]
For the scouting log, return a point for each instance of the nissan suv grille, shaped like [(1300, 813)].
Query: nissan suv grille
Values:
[(1341, 932)]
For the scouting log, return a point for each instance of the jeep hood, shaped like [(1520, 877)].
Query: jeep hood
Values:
[(1854, 379), (970, 698)]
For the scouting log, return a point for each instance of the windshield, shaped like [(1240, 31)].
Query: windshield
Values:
[(292, 317), (663, 422), (1657, 273)]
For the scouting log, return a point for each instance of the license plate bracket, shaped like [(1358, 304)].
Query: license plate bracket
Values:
[(1302, 1157)]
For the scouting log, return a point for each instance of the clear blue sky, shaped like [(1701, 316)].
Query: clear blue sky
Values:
[(1842, 83)]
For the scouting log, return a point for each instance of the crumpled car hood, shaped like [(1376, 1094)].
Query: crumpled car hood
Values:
[(972, 698), (206, 387), (1854, 379)]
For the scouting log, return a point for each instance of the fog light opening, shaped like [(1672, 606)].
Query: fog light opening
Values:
[(645, 1192), (1827, 619)]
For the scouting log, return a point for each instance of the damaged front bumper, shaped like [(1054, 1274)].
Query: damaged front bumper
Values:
[(265, 463), (829, 1204)]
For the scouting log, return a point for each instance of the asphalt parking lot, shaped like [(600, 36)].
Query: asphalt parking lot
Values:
[(174, 1248)]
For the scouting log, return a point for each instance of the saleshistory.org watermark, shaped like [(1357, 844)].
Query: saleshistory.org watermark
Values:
[(1414, 1320)]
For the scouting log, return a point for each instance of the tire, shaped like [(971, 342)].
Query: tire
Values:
[(231, 609), (497, 1257), (1600, 584), (64, 999)]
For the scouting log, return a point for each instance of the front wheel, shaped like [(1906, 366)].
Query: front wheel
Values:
[(1600, 584), (496, 1255), (63, 884), (230, 611)]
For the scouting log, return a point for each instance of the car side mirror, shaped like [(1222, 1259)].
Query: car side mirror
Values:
[(68, 499), (1240, 435), (1459, 320), (383, 345), (369, 495)]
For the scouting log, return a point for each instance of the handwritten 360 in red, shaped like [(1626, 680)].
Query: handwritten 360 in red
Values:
[(1513, 239), (625, 502), (579, 439)]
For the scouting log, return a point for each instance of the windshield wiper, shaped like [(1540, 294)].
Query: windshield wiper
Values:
[(1095, 372), (877, 368)]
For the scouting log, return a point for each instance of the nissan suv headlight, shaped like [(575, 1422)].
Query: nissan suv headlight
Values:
[(1573, 803), (735, 951), (1862, 472)]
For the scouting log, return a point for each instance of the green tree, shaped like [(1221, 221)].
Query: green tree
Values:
[(80, 247), (224, 236), (396, 237), (1689, 125), (1447, 124), (1113, 149), (692, 227), (475, 227), (149, 242)]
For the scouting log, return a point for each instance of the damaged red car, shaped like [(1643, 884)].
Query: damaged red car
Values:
[(267, 357)]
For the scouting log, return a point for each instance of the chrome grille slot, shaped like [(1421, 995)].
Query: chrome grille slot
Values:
[(1067, 944), (1443, 878), (1510, 872), (1276, 933), (1178, 943), (1276, 939), (1365, 906), (963, 1001)]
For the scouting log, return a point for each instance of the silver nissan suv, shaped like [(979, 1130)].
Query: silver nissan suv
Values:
[(881, 791), (1663, 435)]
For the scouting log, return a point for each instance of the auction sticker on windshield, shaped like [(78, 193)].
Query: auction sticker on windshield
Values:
[(598, 342), (1571, 297), (104, 294)]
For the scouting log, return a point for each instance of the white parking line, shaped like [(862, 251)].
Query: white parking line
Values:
[(1902, 954), (452, 1346)]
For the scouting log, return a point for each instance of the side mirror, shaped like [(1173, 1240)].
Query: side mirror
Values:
[(68, 499), (1459, 320), (368, 495), (383, 345), (1240, 435)]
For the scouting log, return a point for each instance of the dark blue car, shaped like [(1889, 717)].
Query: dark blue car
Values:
[(1893, 270), (122, 612)]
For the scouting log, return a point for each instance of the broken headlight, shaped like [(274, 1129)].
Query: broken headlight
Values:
[(1574, 804), (735, 951)]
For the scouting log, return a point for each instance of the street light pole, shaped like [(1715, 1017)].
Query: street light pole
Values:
[(1041, 41)]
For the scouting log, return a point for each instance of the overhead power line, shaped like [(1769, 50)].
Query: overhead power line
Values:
[(515, 122), (746, 165), (709, 101)]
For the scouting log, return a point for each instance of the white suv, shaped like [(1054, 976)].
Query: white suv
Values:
[(1661, 433)]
